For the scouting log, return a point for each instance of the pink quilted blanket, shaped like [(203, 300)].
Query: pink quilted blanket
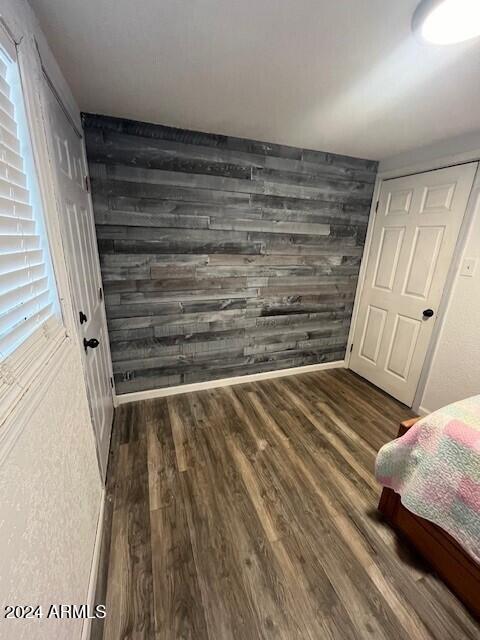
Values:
[(435, 467)]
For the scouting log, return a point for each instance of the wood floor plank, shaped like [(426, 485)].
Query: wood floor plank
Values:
[(238, 561), (179, 435), (129, 592), (310, 412), (321, 607), (98, 624), (250, 512), (343, 505), (161, 456), (347, 401), (179, 611), (178, 606), (337, 542)]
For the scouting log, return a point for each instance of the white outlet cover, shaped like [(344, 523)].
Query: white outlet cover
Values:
[(468, 267)]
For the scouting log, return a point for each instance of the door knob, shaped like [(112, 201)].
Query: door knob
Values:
[(92, 343), (428, 313)]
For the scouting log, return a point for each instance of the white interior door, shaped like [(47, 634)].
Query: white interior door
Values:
[(78, 231), (414, 236)]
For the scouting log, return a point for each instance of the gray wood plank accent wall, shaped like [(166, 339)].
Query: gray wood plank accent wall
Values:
[(222, 256)]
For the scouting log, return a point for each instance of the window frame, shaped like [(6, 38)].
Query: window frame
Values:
[(22, 370)]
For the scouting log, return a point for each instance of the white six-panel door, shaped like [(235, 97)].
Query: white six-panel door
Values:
[(78, 231), (414, 236)]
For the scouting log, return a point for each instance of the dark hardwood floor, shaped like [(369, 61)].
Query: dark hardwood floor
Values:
[(250, 512)]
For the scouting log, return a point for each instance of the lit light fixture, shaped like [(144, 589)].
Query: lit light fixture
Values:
[(447, 21)]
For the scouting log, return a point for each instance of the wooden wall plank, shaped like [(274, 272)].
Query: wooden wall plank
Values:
[(126, 149), (222, 256)]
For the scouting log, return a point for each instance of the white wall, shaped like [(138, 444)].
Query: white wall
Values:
[(50, 495), (50, 487), (452, 370)]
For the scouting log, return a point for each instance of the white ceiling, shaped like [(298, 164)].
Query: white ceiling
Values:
[(338, 75)]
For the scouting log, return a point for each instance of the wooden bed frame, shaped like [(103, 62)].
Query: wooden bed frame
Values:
[(446, 557)]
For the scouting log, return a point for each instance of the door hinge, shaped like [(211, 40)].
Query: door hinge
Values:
[(351, 347), (100, 293), (111, 382), (376, 206), (87, 184)]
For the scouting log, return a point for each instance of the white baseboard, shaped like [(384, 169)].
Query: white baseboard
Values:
[(223, 382), (92, 583), (422, 411)]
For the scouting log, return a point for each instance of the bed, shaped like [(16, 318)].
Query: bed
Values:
[(431, 495)]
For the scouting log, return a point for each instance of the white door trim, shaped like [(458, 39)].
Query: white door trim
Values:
[(432, 164)]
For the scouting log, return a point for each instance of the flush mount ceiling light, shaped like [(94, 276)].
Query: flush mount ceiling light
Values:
[(447, 21)]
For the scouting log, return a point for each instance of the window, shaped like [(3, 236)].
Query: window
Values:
[(28, 298)]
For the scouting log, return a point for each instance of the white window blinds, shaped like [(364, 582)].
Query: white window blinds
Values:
[(27, 290)]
